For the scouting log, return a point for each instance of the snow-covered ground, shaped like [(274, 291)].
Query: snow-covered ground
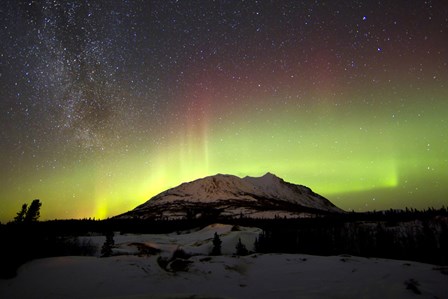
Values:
[(227, 276), (195, 242)]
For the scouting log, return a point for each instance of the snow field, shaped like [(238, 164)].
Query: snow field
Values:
[(255, 276)]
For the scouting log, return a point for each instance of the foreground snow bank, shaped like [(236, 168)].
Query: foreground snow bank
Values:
[(133, 274), (255, 276)]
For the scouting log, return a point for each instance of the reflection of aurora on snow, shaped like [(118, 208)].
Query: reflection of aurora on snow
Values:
[(105, 105)]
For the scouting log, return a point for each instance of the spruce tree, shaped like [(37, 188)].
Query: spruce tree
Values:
[(33, 212), (261, 243), (241, 248), (21, 214), (216, 245), (106, 250)]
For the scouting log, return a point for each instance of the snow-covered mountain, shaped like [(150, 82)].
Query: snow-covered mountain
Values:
[(267, 196)]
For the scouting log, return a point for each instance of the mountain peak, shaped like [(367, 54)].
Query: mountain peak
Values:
[(269, 175), (231, 196), (266, 181), (266, 175)]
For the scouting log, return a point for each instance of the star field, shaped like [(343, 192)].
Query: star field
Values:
[(105, 104)]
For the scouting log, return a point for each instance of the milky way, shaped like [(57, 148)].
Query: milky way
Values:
[(106, 103)]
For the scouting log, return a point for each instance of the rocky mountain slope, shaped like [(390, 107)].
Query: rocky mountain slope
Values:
[(230, 196)]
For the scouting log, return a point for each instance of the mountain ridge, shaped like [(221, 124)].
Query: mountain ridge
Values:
[(226, 195)]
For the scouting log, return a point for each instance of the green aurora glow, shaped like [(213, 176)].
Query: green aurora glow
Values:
[(361, 121), (373, 158)]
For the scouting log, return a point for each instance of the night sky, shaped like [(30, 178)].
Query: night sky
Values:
[(106, 103)]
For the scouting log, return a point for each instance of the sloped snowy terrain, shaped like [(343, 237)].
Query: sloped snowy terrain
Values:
[(192, 242), (227, 195), (255, 276)]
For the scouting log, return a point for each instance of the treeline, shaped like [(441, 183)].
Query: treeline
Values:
[(400, 234), (22, 242), (417, 240)]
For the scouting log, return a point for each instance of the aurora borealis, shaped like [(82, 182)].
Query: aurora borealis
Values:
[(106, 103)]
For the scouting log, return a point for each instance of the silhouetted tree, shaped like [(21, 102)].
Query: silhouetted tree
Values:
[(241, 248), (21, 214), (216, 245), (33, 212), (260, 244), (106, 250)]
